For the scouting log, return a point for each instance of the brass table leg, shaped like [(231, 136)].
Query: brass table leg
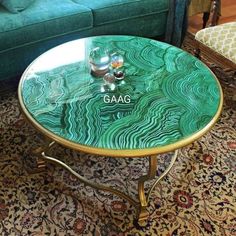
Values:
[(37, 152), (142, 211), (173, 158), (83, 179), (143, 199)]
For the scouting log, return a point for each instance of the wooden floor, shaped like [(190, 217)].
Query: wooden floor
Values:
[(228, 14)]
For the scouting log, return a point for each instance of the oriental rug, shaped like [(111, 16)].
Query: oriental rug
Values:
[(197, 197)]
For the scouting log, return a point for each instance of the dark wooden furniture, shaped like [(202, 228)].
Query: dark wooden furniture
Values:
[(214, 14), (213, 58), (208, 55)]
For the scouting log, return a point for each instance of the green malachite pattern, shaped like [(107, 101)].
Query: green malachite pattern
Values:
[(173, 95)]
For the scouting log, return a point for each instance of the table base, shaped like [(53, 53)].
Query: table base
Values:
[(142, 201)]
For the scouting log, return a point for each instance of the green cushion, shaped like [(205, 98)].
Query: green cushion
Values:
[(16, 6), (149, 26), (108, 11), (42, 21), (14, 61)]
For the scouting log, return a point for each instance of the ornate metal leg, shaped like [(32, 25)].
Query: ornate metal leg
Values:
[(40, 163), (142, 211), (143, 199), (84, 180), (173, 158)]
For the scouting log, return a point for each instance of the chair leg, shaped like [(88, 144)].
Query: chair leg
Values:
[(205, 18), (215, 12), (197, 51)]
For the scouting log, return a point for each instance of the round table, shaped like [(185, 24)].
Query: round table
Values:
[(173, 99)]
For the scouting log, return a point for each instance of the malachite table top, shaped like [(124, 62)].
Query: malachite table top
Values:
[(168, 98)]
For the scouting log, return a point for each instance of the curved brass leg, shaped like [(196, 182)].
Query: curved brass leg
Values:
[(84, 180), (163, 174), (40, 163), (143, 199), (142, 211)]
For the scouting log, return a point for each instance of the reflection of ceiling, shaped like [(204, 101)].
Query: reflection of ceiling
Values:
[(59, 56)]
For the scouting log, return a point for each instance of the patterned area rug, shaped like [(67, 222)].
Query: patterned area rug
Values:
[(197, 197)]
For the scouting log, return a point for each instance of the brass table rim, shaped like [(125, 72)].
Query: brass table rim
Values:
[(119, 153)]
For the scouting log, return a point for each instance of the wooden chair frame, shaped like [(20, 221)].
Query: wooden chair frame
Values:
[(203, 51), (215, 14)]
